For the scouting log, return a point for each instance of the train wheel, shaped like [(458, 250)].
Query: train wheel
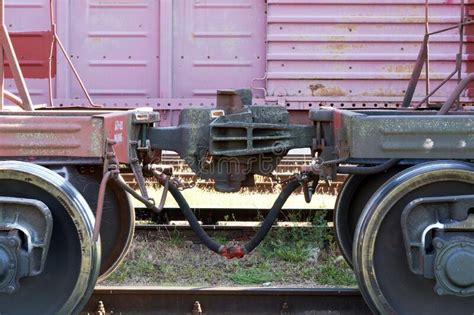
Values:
[(389, 272), (351, 200), (72, 263), (118, 219)]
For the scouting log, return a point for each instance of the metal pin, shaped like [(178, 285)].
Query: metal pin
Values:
[(197, 309), (101, 309)]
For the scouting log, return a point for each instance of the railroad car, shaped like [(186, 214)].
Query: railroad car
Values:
[(157, 73)]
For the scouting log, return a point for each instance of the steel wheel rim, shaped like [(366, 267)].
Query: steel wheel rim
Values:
[(341, 216), (372, 220), (351, 201), (118, 220), (72, 205)]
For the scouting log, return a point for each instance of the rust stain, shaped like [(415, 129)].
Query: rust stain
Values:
[(321, 90), (412, 19), (338, 47), (401, 68), (33, 49), (341, 47), (383, 92)]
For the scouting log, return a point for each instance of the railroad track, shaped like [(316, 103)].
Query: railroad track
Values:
[(245, 222), (238, 232), (212, 216), (223, 301), (289, 165)]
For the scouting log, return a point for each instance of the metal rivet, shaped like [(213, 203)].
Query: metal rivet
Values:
[(101, 309), (197, 309), (11, 288), (439, 244), (439, 291)]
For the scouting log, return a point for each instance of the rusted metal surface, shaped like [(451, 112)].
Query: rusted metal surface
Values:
[(223, 301), (402, 135), (301, 54), (51, 135), (357, 52)]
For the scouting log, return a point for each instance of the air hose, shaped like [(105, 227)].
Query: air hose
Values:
[(370, 170), (235, 251)]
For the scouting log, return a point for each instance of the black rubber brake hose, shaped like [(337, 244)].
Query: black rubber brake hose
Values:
[(236, 251), (370, 170)]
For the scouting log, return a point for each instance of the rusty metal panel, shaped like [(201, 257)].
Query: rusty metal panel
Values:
[(345, 53), (51, 136), (409, 137), (117, 128)]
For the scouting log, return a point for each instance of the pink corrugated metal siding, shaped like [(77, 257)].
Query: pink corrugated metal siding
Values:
[(217, 44), (36, 19), (171, 54), (115, 44), (355, 51)]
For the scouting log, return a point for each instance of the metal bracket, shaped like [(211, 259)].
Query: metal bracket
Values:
[(423, 216), (26, 255)]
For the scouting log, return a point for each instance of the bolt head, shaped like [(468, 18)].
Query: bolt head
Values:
[(12, 243), (11, 288), (439, 291), (439, 244)]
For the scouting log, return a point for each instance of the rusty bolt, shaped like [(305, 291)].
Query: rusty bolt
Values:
[(101, 309), (285, 309), (197, 309)]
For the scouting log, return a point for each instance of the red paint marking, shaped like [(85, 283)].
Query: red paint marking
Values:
[(337, 120), (32, 50)]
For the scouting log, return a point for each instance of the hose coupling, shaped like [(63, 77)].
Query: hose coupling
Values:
[(235, 251)]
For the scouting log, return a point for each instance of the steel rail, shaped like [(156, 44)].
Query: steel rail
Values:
[(211, 216), (223, 301), (229, 232)]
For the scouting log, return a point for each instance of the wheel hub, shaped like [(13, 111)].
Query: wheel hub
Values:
[(12, 263), (25, 232), (454, 267)]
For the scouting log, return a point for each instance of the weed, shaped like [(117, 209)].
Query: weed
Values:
[(258, 274), (295, 245), (138, 265), (175, 239)]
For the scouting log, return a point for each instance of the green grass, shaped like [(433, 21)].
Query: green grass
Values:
[(296, 245), (298, 256), (259, 274), (140, 264)]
